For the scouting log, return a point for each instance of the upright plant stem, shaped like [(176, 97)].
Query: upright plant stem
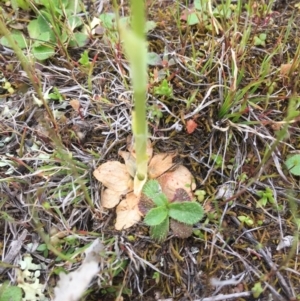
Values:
[(139, 86), (136, 52), (138, 18)]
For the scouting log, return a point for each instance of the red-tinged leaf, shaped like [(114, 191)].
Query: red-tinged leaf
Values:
[(145, 204), (181, 196), (181, 230)]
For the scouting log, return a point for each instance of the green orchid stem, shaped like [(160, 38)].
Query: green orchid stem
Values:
[(136, 53), (138, 22)]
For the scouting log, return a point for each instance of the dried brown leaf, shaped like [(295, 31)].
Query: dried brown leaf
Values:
[(114, 176), (128, 212), (110, 198), (179, 178), (149, 149), (75, 104), (130, 162), (159, 164), (285, 69)]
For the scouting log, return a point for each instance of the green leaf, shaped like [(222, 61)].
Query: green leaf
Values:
[(74, 22), (263, 36), (44, 37), (187, 212), (10, 293), (41, 247), (18, 37), (257, 290), (153, 59), (160, 200), (79, 39), (195, 17), (151, 189), (20, 4), (37, 27), (43, 52), (84, 59), (160, 232), (198, 5), (293, 164), (150, 25), (156, 216), (108, 20)]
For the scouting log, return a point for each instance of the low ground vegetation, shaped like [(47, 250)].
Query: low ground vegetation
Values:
[(223, 101)]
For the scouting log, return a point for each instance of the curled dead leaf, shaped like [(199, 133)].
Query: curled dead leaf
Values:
[(114, 176), (130, 147), (159, 164), (128, 212), (179, 178), (130, 162), (110, 198)]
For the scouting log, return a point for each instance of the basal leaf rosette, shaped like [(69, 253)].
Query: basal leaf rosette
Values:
[(167, 203), (117, 179)]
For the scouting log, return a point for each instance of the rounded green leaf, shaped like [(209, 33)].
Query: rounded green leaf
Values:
[(43, 52), (293, 164), (79, 39), (150, 25), (156, 216), (74, 22), (187, 212), (11, 293), (18, 37), (151, 188), (153, 59)]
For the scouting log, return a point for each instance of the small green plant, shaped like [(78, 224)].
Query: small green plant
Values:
[(6, 86), (260, 40), (257, 290), (242, 177), (200, 195), (293, 164), (218, 160), (155, 112), (265, 198), (246, 220), (87, 66), (54, 95), (156, 277), (164, 89), (179, 214)]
